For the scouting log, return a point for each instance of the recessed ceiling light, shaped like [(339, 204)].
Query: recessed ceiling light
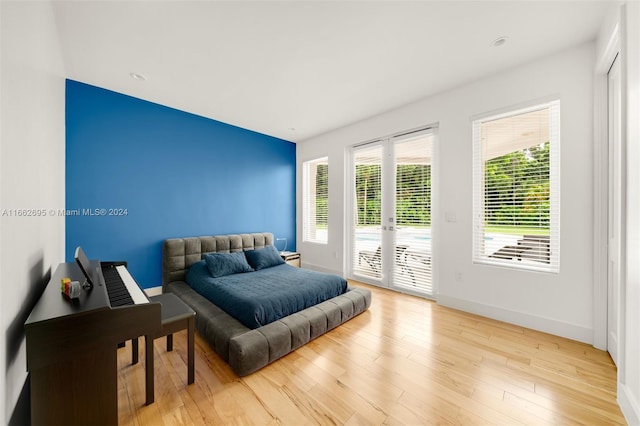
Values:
[(137, 76), (499, 41)]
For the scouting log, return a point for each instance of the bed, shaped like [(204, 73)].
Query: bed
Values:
[(248, 346)]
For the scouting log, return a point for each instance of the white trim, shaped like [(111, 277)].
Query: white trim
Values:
[(514, 265), (518, 108), (416, 130), (613, 47), (622, 327), (628, 405), (546, 325), (600, 190), (600, 211), (436, 225)]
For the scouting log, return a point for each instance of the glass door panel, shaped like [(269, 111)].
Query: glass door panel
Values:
[(366, 225), (412, 234)]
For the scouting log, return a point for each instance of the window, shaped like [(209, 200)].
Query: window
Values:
[(315, 196), (516, 188)]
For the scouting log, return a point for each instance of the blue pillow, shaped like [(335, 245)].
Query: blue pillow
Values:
[(264, 258), (221, 264)]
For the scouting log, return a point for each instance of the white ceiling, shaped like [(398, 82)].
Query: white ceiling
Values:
[(310, 66)]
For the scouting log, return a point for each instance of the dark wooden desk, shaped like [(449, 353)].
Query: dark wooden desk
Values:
[(72, 351)]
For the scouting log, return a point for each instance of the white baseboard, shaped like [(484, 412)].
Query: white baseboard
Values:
[(153, 291), (313, 267), (630, 408), (546, 325)]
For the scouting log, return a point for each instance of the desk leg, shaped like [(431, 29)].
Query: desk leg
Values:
[(169, 342), (148, 355), (190, 350), (134, 350)]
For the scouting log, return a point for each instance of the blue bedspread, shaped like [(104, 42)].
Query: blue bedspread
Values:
[(260, 297)]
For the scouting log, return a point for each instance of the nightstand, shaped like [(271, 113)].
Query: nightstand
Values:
[(291, 257)]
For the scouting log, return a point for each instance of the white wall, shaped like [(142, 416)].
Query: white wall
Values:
[(31, 174), (557, 303), (629, 367)]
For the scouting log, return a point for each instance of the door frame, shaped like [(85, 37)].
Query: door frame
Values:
[(616, 216), (601, 197), (388, 208)]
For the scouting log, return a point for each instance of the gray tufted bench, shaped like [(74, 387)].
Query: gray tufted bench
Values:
[(244, 349)]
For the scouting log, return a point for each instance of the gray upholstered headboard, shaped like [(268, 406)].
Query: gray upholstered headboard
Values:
[(180, 253)]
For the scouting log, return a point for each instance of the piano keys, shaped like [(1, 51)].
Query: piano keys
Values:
[(72, 347), (121, 287)]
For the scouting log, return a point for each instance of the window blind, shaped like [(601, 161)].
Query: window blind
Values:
[(516, 188), (315, 200), (367, 188)]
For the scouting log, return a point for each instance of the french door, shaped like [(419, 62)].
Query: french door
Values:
[(390, 227)]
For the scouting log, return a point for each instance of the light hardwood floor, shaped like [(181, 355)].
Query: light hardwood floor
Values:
[(404, 361)]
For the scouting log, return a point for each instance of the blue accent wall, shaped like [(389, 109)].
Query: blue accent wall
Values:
[(175, 173)]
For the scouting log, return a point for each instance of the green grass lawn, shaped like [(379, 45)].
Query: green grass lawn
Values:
[(515, 230)]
